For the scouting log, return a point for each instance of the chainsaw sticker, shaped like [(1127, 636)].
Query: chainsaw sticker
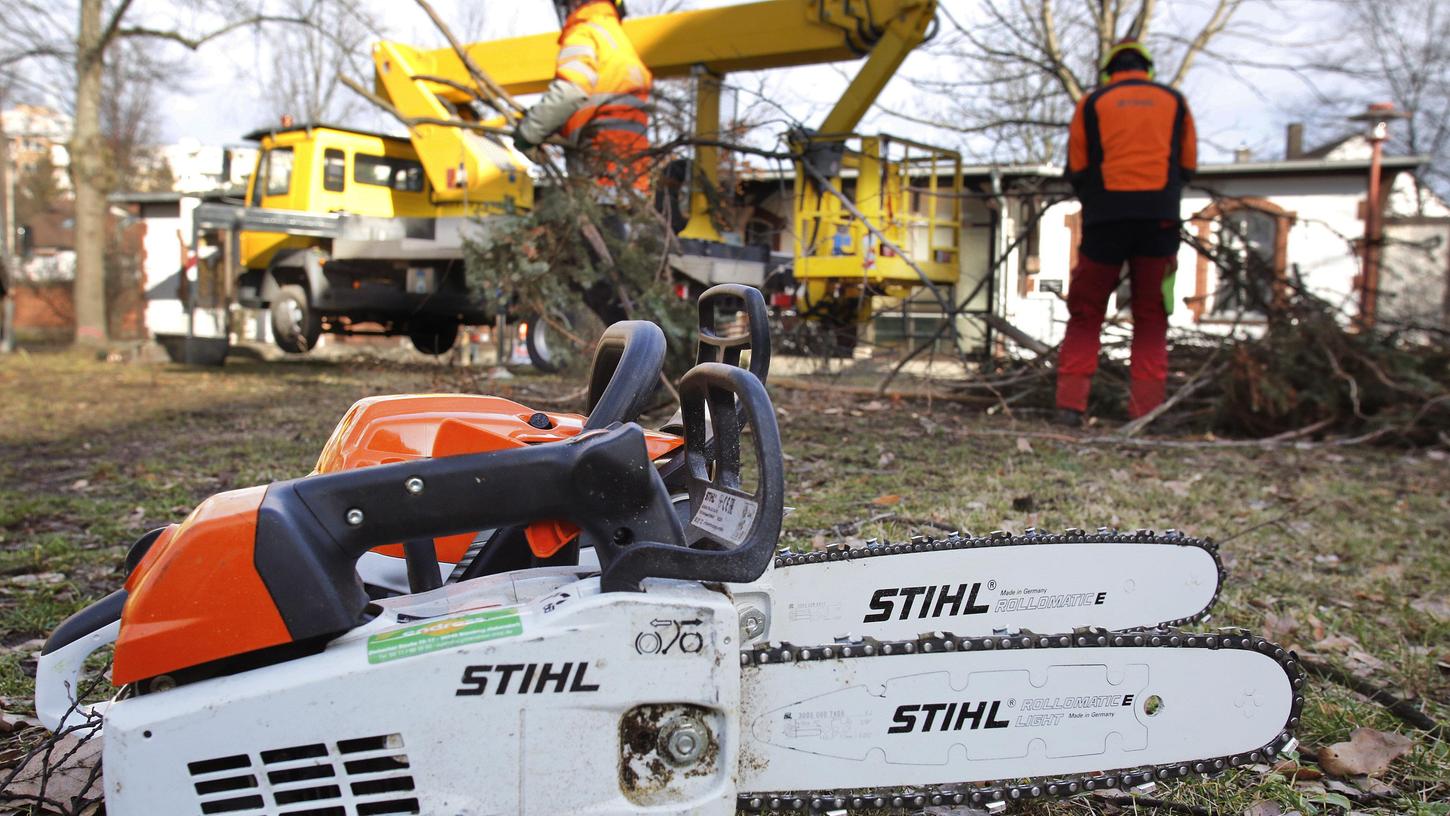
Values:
[(725, 515), (411, 641), (670, 637)]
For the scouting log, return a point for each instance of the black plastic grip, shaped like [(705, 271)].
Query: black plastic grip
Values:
[(733, 532), (312, 531), (625, 372), (716, 347)]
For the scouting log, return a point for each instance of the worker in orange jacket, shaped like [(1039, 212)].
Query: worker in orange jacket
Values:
[(599, 98), (1131, 148)]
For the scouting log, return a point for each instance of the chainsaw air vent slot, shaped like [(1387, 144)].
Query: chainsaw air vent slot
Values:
[(230, 763), (353, 777), (232, 805), (226, 784), (295, 752), (381, 808), (376, 764), (299, 774), (292, 797)]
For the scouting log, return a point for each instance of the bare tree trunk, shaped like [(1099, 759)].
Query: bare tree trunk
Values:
[(87, 164)]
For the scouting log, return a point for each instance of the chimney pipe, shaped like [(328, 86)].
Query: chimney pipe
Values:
[(1294, 141)]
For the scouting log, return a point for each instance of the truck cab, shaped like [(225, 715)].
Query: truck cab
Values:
[(316, 242)]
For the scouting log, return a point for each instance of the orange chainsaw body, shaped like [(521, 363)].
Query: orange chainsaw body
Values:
[(188, 596)]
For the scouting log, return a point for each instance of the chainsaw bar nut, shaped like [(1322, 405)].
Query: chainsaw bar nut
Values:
[(354, 517), (414, 485), (683, 741)]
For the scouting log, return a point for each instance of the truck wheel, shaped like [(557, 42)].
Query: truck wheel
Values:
[(537, 337), (295, 324), (552, 350), (433, 335)]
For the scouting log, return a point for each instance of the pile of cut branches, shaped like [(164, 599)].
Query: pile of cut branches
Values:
[(1309, 370)]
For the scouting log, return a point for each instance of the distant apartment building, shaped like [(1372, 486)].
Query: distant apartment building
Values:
[(35, 133)]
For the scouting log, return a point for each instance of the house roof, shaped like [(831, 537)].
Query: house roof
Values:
[(1286, 167)]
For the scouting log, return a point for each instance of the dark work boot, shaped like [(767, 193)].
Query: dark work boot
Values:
[(1069, 417)]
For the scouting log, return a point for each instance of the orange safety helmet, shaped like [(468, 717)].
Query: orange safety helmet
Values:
[(1119, 47), (564, 7)]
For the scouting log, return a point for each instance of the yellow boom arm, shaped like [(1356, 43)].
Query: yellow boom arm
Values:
[(714, 41)]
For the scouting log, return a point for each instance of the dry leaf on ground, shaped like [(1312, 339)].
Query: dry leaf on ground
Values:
[(1023, 446), (887, 500), (68, 771), (1279, 628), (1263, 807), (1436, 608), (1368, 753)]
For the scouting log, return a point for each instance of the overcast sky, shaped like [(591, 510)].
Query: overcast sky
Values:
[(217, 99)]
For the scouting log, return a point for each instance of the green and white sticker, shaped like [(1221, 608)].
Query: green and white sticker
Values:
[(411, 641)]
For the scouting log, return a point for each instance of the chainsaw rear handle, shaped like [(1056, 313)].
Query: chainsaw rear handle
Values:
[(312, 531), (625, 372), (733, 532), (715, 347)]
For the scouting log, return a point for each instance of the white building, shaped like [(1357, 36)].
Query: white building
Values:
[(198, 169), (1302, 217)]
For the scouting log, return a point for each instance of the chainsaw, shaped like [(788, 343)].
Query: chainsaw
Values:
[(337, 644)]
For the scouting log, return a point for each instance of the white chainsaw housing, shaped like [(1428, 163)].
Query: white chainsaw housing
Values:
[(535, 710)]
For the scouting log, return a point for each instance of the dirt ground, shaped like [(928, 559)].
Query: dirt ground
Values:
[(1340, 553)]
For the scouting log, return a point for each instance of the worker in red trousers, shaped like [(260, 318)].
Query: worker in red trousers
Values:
[(1131, 148)]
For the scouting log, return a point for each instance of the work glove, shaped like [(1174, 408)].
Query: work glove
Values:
[(522, 144)]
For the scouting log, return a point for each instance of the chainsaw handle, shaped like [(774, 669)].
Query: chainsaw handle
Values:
[(311, 531), (625, 372), (732, 532), (714, 347)]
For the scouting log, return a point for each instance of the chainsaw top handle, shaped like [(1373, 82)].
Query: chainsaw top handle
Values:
[(625, 372), (733, 529), (717, 347), (311, 531)]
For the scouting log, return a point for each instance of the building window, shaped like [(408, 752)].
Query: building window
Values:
[(1249, 240), (334, 170), (404, 175)]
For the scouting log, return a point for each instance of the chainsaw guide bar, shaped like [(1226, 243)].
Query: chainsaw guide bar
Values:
[(849, 663), (978, 585)]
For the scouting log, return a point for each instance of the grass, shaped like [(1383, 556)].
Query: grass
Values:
[(1321, 545)]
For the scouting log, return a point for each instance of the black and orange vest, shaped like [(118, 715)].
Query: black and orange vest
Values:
[(1131, 149)]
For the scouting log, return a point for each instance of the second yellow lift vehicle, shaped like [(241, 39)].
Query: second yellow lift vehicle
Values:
[(343, 227)]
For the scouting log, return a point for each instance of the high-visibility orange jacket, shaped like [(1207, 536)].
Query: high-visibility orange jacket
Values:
[(1131, 148), (599, 98)]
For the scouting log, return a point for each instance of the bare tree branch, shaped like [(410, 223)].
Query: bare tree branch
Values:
[(196, 41), (1222, 13)]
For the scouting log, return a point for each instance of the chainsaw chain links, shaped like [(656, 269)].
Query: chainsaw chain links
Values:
[(997, 796), (1000, 538)]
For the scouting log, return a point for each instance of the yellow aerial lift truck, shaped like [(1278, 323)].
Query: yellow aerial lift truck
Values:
[(342, 227)]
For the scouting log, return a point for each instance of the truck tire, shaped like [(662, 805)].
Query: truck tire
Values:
[(295, 324), (541, 353), (552, 351), (433, 335)]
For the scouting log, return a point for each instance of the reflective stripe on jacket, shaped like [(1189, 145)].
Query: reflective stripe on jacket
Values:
[(613, 118), (1131, 148)]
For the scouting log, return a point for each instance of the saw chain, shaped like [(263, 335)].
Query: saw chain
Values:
[(875, 548), (997, 796)]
